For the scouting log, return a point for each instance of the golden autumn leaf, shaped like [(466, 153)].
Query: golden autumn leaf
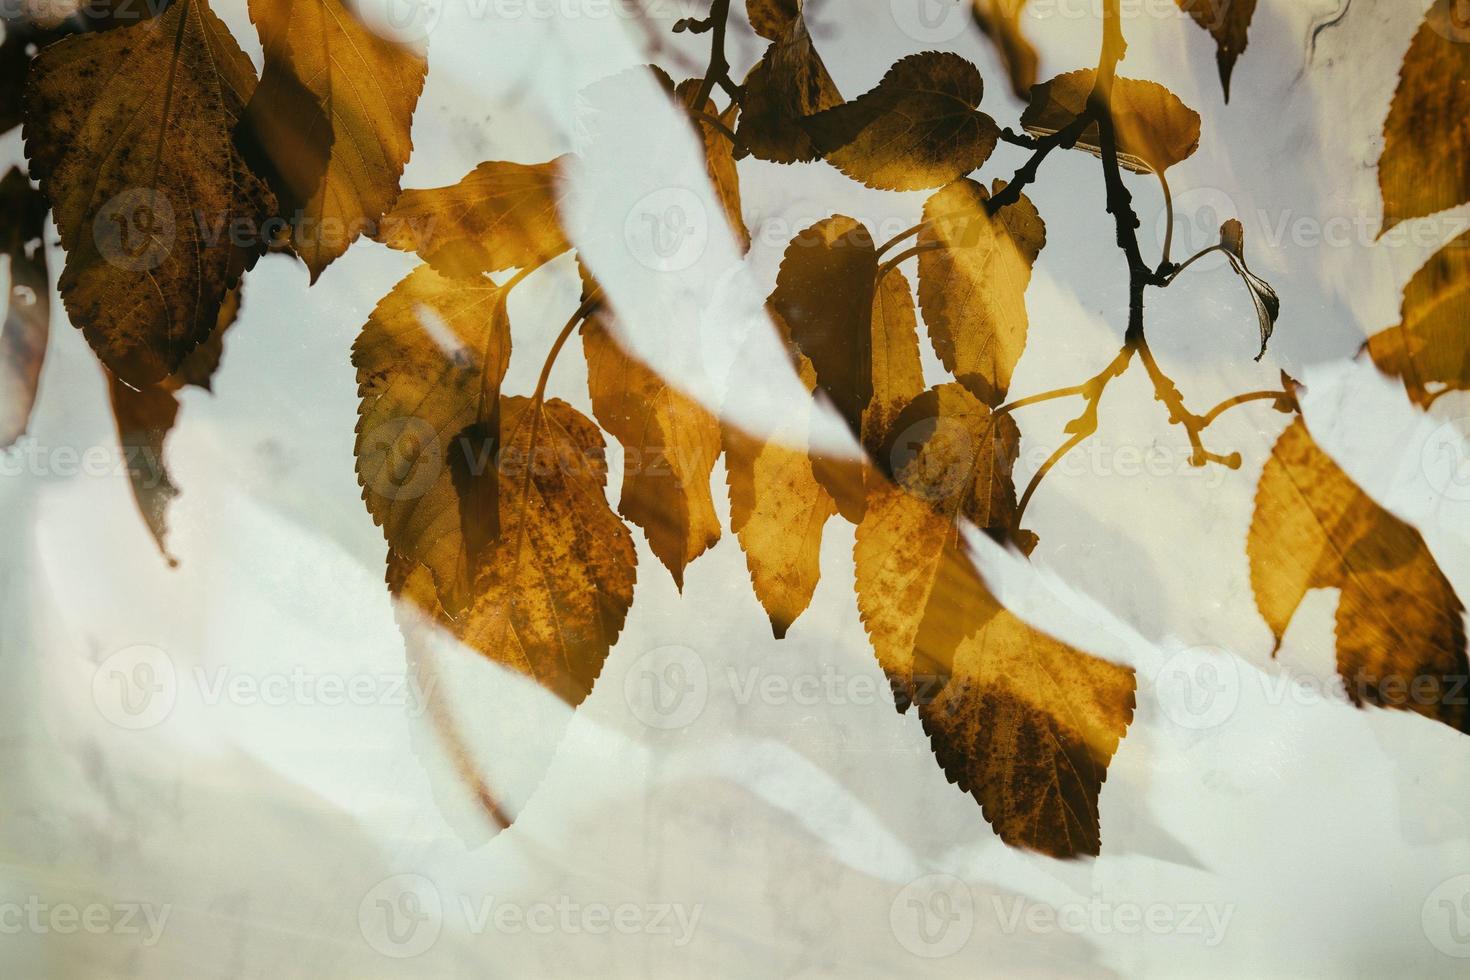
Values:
[(973, 289), (147, 187), (897, 374), (1430, 348), (27, 326), (145, 416), (500, 216), (429, 362), (670, 445), (366, 88), (557, 580), (771, 19), (999, 20), (1425, 166), (1228, 22), (1021, 721), (1155, 129), (1400, 626), (779, 507), (787, 85), (918, 128), (719, 157)]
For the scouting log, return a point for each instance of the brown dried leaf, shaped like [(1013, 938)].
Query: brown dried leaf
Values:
[(1228, 22), (28, 309), (557, 581), (670, 445), (787, 85), (1400, 627), (1425, 167), (146, 182), (973, 290), (1430, 349), (500, 216), (918, 128), (1155, 129), (771, 19), (429, 362)]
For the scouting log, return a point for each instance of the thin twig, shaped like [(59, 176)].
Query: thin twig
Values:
[(1250, 396), (718, 125), (719, 14)]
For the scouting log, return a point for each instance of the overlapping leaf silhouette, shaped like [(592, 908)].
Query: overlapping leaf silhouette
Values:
[(1000, 21), (1430, 349), (1400, 626), (787, 85), (1155, 130), (1228, 22), (28, 307), (973, 289), (335, 100), (145, 182), (918, 128)]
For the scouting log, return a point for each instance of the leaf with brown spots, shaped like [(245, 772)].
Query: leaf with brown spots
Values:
[(1430, 349), (557, 580), (972, 288), (1228, 22), (918, 128), (772, 18), (787, 85), (145, 182), (28, 308), (1023, 722), (1425, 167), (332, 116), (500, 216), (429, 362), (670, 445), (1155, 129), (1400, 625)]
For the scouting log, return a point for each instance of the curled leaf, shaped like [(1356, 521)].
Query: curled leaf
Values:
[(973, 289), (500, 216), (149, 192), (1400, 626), (918, 128), (1155, 130), (1267, 303)]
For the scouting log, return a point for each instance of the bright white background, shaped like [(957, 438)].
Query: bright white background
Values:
[(1278, 833)]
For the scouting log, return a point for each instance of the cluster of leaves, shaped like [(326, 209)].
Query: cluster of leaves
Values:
[(493, 503)]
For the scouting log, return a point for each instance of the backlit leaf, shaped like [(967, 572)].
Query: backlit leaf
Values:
[(1400, 626), (500, 216), (557, 581), (973, 290), (670, 445), (1425, 165), (1430, 348), (1155, 129), (918, 128), (366, 88), (719, 155), (28, 304), (429, 362), (1228, 22), (145, 182)]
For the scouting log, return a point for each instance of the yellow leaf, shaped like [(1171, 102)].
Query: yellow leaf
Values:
[(1425, 165), (973, 290), (788, 84), (898, 376), (1400, 627), (146, 183), (28, 310), (429, 362), (1228, 22), (500, 216), (365, 88), (670, 445), (1155, 130), (719, 155), (557, 581), (918, 128), (1431, 347)]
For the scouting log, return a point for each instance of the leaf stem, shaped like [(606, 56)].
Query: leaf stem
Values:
[(591, 303), (1229, 403), (719, 67), (886, 267), (1169, 217), (718, 125)]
